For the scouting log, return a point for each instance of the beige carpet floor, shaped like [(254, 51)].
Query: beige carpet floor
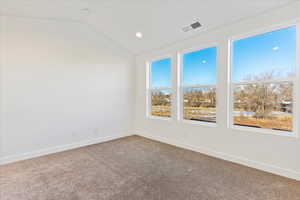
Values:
[(135, 168)]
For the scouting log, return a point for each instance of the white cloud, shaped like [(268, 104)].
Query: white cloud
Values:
[(275, 48)]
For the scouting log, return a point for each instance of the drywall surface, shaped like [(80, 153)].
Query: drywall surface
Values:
[(273, 153), (62, 85)]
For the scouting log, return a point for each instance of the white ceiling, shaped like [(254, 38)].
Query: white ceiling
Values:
[(160, 21)]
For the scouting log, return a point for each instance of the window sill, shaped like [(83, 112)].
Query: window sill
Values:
[(159, 118), (200, 123), (265, 131)]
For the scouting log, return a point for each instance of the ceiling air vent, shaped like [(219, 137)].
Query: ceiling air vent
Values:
[(191, 27)]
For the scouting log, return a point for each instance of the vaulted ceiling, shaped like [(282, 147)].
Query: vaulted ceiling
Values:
[(160, 21)]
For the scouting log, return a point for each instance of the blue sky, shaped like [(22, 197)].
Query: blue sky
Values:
[(200, 67), (273, 51), (263, 53), (161, 73)]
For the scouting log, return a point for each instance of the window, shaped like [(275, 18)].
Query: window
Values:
[(160, 88), (263, 80), (199, 85)]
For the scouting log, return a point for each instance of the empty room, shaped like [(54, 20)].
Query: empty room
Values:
[(149, 100)]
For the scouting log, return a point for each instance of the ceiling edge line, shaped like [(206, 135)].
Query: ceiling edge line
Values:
[(98, 31), (79, 21)]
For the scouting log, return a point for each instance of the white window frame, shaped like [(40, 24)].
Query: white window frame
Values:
[(295, 81), (181, 87), (149, 89)]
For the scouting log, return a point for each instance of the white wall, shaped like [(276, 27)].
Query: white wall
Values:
[(62, 85), (277, 154)]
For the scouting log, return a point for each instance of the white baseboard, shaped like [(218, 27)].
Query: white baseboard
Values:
[(236, 159), (243, 161), (29, 155)]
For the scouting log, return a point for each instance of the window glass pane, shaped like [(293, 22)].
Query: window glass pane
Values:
[(161, 73), (161, 103), (200, 67), (264, 100), (264, 105), (200, 104), (270, 53)]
